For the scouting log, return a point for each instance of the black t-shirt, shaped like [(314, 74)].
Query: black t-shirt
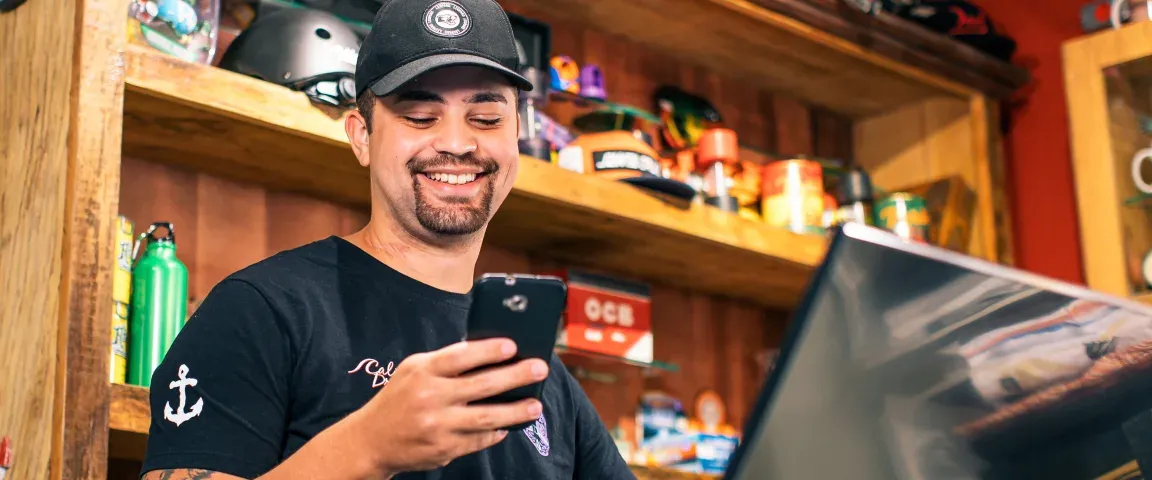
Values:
[(283, 349)]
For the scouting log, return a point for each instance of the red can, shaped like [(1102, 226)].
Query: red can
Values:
[(793, 195)]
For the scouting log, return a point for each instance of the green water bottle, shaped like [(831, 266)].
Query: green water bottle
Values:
[(159, 303)]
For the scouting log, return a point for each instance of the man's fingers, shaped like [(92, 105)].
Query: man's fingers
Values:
[(488, 382), (490, 417), (463, 356), (474, 442)]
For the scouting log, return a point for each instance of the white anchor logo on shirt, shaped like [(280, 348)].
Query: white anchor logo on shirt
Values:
[(179, 415)]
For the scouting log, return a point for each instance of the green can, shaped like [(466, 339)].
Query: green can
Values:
[(159, 303), (905, 215)]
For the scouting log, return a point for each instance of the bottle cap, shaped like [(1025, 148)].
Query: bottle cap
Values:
[(717, 145)]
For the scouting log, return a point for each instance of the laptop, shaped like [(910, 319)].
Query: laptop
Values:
[(908, 361)]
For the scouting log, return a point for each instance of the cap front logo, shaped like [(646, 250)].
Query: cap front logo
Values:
[(447, 19)]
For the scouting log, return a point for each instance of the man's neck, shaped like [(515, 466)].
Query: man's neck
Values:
[(449, 268)]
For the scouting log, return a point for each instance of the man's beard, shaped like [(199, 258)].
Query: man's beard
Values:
[(460, 216)]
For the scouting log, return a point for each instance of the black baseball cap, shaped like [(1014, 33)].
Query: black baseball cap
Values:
[(412, 37)]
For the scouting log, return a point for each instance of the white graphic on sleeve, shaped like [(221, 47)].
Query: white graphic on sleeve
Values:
[(380, 376), (180, 415), (538, 435)]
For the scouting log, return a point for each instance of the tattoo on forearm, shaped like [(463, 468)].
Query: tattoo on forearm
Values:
[(186, 474)]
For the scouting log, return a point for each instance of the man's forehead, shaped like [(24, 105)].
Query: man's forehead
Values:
[(461, 79)]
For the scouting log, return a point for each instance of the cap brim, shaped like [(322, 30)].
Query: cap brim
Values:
[(409, 71)]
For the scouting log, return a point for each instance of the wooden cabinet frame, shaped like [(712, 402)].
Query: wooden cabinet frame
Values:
[(1104, 136)]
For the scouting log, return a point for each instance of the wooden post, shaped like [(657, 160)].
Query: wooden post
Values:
[(95, 128), (62, 77), (994, 215)]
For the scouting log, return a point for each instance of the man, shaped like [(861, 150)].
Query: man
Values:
[(343, 359)]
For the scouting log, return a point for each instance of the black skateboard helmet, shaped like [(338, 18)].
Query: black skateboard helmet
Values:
[(304, 49)]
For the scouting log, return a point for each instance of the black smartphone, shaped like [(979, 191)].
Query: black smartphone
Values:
[(524, 308)]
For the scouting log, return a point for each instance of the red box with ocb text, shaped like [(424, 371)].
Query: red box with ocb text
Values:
[(607, 315)]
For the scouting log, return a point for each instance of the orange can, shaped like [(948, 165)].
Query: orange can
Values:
[(793, 195), (830, 208)]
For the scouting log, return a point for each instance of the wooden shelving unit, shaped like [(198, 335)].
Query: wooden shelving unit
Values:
[(920, 107), (759, 41), (254, 131)]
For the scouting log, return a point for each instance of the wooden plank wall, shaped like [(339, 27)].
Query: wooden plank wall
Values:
[(720, 344)]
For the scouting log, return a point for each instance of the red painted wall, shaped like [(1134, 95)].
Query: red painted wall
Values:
[(1039, 162)]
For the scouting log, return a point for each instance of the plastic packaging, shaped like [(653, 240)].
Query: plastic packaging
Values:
[(186, 29)]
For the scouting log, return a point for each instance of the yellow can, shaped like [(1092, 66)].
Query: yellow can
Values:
[(118, 369), (122, 274), (793, 195)]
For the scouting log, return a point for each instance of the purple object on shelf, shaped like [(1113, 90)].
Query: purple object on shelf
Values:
[(553, 132), (592, 82)]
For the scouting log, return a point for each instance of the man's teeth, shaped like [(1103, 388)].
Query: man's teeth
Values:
[(454, 179)]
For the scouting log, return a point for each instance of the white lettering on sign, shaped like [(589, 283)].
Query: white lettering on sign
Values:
[(608, 312), (624, 160), (593, 335)]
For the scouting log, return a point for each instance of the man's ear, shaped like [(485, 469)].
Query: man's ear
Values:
[(357, 132)]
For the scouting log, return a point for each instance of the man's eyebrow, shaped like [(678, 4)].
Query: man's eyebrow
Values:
[(486, 97), (418, 96)]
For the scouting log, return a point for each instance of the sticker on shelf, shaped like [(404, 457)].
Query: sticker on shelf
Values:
[(571, 158), (6, 454), (1146, 269), (1138, 160)]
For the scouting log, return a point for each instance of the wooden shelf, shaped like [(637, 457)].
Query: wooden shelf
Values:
[(129, 410), (893, 37), (658, 473), (792, 46), (250, 130), (129, 417)]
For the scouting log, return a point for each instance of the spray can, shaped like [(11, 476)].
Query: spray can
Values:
[(159, 303), (856, 203), (121, 299), (905, 215)]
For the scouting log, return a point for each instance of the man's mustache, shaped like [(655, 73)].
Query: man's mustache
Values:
[(485, 165)]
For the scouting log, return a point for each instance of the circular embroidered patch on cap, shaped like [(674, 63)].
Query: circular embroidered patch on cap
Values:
[(447, 19)]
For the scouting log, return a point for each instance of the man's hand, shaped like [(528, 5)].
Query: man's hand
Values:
[(421, 420)]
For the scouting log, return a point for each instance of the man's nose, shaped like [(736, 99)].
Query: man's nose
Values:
[(455, 138)]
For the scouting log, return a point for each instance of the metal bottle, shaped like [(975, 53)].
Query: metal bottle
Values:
[(159, 303)]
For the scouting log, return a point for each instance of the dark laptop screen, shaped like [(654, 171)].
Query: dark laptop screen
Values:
[(909, 362)]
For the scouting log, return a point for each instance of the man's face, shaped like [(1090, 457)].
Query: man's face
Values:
[(443, 150)]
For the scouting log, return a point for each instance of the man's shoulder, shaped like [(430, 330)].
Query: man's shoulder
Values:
[(281, 283), (274, 293), (290, 271)]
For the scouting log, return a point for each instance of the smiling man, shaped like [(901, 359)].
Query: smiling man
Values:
[(343, 359)]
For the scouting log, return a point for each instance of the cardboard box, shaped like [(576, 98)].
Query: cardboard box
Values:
[(951, 204)]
